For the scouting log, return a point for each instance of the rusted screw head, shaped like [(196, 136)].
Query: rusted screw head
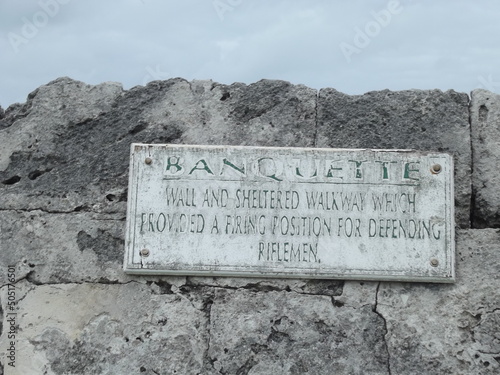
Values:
[(144, 252), (434, 262), (436, 168), (148, 161)]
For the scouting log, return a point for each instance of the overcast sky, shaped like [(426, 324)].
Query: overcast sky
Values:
[(353, 46)]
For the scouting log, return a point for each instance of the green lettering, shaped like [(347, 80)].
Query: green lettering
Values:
[(173, 162), (408, 169), (331, 169), (385, 170), (205, 167), (358, 171), (227, 162)]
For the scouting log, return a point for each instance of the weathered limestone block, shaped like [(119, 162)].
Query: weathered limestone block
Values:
[(289, 333), (68, 149), (80, 329), (266, 113), (60, 248), (429, 120), (485, 130), (448, 329), (35, 127)]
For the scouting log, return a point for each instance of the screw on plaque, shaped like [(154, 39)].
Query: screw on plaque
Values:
[(144, 252), (148, 161), (434, 262), (436, 168)]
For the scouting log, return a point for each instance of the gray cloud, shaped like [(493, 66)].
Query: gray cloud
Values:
[(425, 45)]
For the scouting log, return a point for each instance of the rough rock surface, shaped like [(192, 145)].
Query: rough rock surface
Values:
[(485, 125), (154, 327), (109, 329), (448, 329), (63, 188), (68, 126), (285, 333), (61, 248), (427, 120)]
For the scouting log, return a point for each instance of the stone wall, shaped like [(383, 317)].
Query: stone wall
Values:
[(64, 158)]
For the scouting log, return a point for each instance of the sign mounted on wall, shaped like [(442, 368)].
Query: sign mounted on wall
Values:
[(290, 212)]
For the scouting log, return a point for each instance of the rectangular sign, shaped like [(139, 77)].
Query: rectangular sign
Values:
[(290, 212)]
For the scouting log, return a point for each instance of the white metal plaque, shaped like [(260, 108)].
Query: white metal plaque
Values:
[(290, 212)]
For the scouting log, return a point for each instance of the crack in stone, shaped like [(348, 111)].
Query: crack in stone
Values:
[(493, 311), (18, 299), (385, 329), (207, 308), (472, 202), (488, 353), (254, 287), (75, 210), (46, 210), (102, 282), (315, 139), (257, 287), (25, 277)]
